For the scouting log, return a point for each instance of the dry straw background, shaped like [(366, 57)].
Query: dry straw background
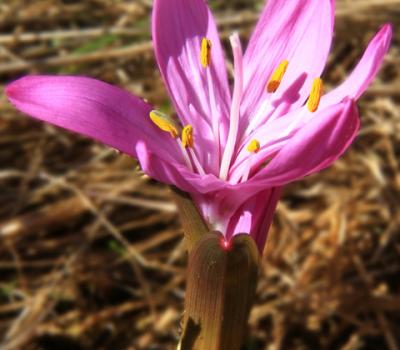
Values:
[(91, 251)]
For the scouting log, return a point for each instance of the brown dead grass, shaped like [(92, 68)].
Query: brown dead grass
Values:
[(91, 252)]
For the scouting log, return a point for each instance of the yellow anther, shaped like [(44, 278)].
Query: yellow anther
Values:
[(165, 123), (315, 96), (187, 136), (254, 146), (277, 76), (205, 55)]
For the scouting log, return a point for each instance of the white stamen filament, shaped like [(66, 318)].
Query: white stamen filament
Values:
[(185, 154), (235, 108), (259, 117), (268, 116), (214, 114), (196, 162), (247, 169), (301, 117), (273, 84), (253, 147)]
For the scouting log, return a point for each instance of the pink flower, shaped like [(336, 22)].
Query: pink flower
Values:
[(238, 148)]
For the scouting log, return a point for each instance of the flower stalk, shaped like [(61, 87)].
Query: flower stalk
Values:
[(193, 224), (221, 285)]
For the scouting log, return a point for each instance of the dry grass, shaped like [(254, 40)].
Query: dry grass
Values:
[(91, 252)]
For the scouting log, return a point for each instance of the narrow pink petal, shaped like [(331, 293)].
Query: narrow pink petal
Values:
[(159, 169), (365, 71), (314, 147), (178, 174), (92, 108), (255, 216), (178, 28), (270, 200), (297, 31)]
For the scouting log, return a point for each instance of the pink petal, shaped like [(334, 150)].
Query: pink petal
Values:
[(314, 147), (270, 200), (255, 216), (297, 31), (161, 170), (95, 109), (177, 174), (365, 71), (178, 28)]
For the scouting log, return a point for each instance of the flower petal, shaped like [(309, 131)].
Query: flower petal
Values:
[(178, 29), (297, 31), (93, 108), (255, 216), (365, 71), (314, 147)]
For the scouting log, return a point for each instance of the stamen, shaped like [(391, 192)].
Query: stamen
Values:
[(185, 155), (315, 95), (205, 60), (205, 55), (214, 111), (188, 143), (277, 76), (187, 136), (261, 116), (196, 162), (254, 146), (235, 107), (165, 123), (265, 110)]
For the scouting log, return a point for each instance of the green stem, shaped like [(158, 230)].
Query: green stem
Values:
[(221, 283), (193, 225), (219, 294)]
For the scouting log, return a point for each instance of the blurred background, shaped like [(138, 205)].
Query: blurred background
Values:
[(91, 251)]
